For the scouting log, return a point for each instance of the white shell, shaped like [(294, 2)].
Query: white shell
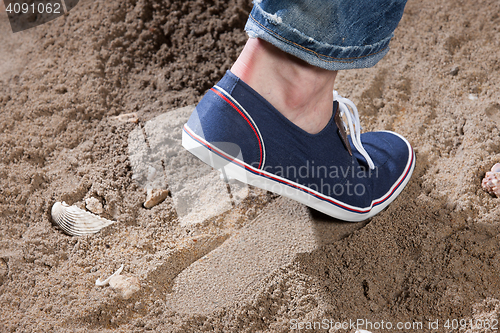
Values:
[(75, 221), (491, 181), (127, 285), (103, 283)]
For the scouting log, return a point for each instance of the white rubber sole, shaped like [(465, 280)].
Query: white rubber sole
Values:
[(237, 169)]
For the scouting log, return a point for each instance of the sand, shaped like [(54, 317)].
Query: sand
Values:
[(263, 263)]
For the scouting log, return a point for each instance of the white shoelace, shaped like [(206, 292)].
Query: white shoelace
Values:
[(354, 125)]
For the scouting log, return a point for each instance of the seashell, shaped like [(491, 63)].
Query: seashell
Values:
[(103, 283), (126, 284), (94, 205), (491, 181), (155, 197), (75, 221)]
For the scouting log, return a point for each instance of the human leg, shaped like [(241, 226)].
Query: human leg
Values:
[(330, 34), (301, 92)]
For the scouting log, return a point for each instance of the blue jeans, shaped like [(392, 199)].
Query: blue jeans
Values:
[(331, 34)]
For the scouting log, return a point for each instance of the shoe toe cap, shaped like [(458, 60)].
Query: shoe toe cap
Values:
[(393, 158)]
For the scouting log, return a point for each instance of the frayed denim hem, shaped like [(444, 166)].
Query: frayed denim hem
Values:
[(271, 28)]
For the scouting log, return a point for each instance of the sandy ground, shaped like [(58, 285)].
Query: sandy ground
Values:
[(263, 263)]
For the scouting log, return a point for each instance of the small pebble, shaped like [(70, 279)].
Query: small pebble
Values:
[(128, 117), (94, 205), (127, 285), (154, 197)]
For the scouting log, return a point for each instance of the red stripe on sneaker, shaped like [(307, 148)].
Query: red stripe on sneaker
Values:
[(399, 183), (270, 176), (244, 117), (296, 185)]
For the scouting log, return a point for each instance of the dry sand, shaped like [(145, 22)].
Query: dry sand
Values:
[(267, 261)]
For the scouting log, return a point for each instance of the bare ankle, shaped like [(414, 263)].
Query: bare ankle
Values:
[(301, 92)]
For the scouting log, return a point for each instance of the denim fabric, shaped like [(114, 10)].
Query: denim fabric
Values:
[(331, 34)]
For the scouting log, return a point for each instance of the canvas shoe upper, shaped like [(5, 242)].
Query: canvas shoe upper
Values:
[(236, 130)]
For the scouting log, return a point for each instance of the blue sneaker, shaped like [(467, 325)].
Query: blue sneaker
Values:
[(350, 178)]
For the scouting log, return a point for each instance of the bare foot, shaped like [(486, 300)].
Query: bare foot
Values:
[(301, 92)]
